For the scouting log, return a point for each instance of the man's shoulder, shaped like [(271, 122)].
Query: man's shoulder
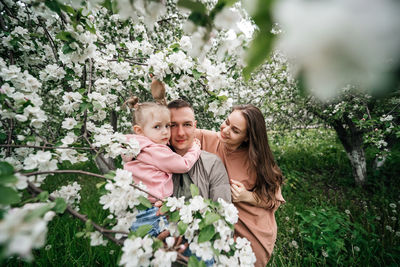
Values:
[(207, 162), (208, 157)]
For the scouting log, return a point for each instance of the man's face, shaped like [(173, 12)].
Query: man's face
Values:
[(183, 126)]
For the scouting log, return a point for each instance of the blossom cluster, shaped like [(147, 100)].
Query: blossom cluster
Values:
[(21, 230), (197, 216), (114, 144), (121, 199), (70, 193), (21, 90)]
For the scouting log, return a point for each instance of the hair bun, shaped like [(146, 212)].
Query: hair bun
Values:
[(132, 102)]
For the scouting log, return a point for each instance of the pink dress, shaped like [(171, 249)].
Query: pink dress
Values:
[(155, 164), (257, 224)]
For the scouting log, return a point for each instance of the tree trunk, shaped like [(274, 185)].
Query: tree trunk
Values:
[(358, 164), (106, 165), (352, 140)]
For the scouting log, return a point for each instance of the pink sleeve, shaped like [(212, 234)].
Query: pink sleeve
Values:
[(163, 158)]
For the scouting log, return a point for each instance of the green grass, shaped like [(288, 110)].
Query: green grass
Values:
[(319, 182), (319, 189), (63, 248)]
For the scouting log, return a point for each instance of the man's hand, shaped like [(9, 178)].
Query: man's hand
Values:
[(239, 192), (158, 204), (177, 244)]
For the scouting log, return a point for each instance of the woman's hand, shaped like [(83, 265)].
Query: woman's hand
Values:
[(239, 192)]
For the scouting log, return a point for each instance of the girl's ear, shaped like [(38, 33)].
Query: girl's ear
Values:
[(137, 129)]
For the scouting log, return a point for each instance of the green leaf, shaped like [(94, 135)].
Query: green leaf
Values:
[(39, 212), (194, 262), (174, 217), (143, 230), (157, 243), (90, 27), (66, 49), (196, 74), (206, 233), (200, 19), (110, 175), (65, 36), (8, 196), (193, 6), (98, 185), (259, 50), (174, 45), (89, 225), (79, 234), (145, 202), (110, 5), (53, 5), (3, 137), (67, 9), (8, 179), (60, 206), (83, 107), (182, 227), (211, 217), (43, 196), (141, 207), (194, 190), (6, 169), (164, 208)]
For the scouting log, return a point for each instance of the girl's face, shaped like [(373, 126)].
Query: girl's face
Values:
[(233, 130), (156, 128)]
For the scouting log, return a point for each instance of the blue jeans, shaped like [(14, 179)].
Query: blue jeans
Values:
[(149, 217)]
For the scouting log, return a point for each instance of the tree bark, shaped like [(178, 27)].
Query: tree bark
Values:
[(352, 140)]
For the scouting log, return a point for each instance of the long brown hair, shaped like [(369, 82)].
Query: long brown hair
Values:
[(268, 175)]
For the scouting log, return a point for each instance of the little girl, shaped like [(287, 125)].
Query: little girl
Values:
[(156, 161)]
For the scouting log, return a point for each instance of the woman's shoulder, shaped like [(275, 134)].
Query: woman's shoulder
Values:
[(209, 140)]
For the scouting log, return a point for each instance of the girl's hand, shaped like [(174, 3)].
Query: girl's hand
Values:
[(126, 158), (239, 192), (197, 142)]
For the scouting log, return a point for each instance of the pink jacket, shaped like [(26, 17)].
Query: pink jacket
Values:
[(155, 164)]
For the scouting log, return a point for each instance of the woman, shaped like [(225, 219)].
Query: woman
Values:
[(256, 180)]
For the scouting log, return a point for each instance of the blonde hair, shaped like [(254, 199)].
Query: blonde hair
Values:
[(141, 111)]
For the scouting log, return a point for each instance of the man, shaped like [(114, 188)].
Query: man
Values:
[(208, 173)]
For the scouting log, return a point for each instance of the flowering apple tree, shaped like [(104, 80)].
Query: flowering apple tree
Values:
[(67, 68)]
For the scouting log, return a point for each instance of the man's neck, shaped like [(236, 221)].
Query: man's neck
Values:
[(181, 152)]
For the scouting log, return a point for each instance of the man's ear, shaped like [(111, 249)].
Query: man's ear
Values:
[(195, 124), (137, 129)]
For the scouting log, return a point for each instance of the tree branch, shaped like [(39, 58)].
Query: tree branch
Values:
[(88, 92), (98, 153), (9, 12), (86, 173), (48, 147), (52, 44), (129, 61), (82, 217), (10, 137)]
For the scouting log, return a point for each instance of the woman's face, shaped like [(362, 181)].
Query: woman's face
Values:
[(233, 130)]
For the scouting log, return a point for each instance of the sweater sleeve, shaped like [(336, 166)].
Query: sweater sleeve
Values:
[(163, 158)]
